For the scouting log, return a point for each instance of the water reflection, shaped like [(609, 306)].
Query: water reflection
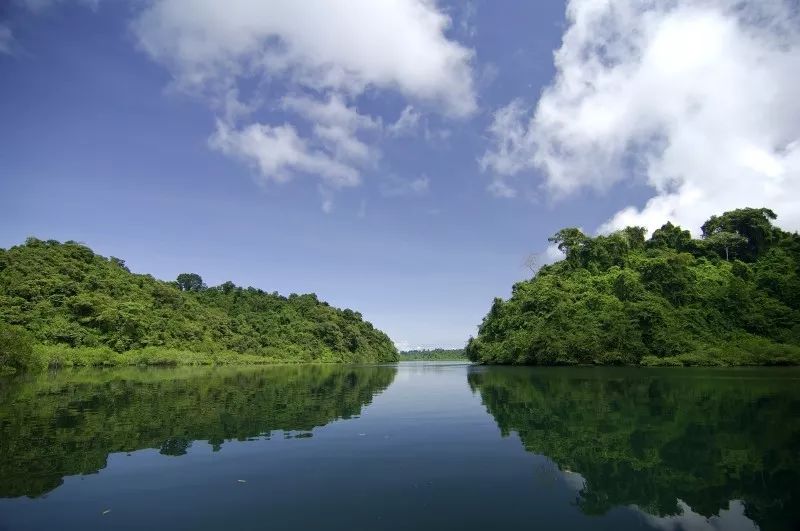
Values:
[(67, 423), (678, 445)]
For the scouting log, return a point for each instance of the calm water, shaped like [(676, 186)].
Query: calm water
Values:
[(416, 446)]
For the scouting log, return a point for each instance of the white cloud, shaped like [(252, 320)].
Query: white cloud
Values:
[(469, 15), (406, 124), (552, 254), (327, 55), (697, 98), (332, 112), (336, 127), (6, 40), (499, 188), (278, 152), (322, 45), (420, 185)]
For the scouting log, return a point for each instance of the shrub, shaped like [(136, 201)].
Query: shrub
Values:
[(16, 349)]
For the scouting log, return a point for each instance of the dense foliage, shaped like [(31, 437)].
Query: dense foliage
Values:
[(67, 422), (81, 308), (653, 438), (434, 354), (729, 298)]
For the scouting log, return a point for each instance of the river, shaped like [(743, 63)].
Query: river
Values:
[(412, 446)]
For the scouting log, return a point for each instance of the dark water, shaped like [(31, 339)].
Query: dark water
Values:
[(416, 446)]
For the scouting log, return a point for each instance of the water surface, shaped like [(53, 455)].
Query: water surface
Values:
[(413, 446)]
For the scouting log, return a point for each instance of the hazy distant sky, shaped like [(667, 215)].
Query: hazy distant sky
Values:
[(398, 157)]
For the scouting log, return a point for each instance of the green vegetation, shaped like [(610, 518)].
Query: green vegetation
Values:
[(67, 422), (63, 305), (651, 438), (435, 354), (730, 298)]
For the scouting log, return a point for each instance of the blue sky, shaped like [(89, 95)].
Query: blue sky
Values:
[(406, 164)]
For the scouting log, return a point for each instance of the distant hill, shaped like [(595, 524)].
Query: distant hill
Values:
[(729, 298), (441, 354), (62, 296)]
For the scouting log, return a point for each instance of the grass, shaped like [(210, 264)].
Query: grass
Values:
[(55, 357), (737, 352)]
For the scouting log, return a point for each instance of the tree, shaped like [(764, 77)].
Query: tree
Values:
[(635, 236), (16, 348), (670, 236), (119, 262), (570, 241), (63, 294), (727, 243), (754, 224), (614, 300), (190, 282), (227, 287)]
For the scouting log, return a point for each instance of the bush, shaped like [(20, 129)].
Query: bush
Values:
[(654, 361), (16, 349)]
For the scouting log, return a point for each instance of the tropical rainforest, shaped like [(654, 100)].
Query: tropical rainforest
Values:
[(63, 305), (731, 297), (658, 438), (65, 423)]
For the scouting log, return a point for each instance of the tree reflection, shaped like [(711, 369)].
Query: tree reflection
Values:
[(67, 423), (651, 438)]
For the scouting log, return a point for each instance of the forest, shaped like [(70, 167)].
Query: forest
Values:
[(61, 304), (731, 297), (434, 354)]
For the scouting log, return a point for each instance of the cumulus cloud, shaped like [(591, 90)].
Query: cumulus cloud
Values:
[(696, 98), (399, 44), (328, 54)]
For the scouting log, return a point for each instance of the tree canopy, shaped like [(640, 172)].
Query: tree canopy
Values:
[(731, 297), (64, 295)]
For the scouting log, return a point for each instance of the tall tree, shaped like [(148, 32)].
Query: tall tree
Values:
[(190, 282), (754, 224)]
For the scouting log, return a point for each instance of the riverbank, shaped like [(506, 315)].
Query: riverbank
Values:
[(47, 357)]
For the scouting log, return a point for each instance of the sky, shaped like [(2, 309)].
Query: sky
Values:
[(403, 158)]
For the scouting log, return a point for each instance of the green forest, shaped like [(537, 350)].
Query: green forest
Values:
[(63, 305), (434, 354), (651, 439), (731, 297)]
